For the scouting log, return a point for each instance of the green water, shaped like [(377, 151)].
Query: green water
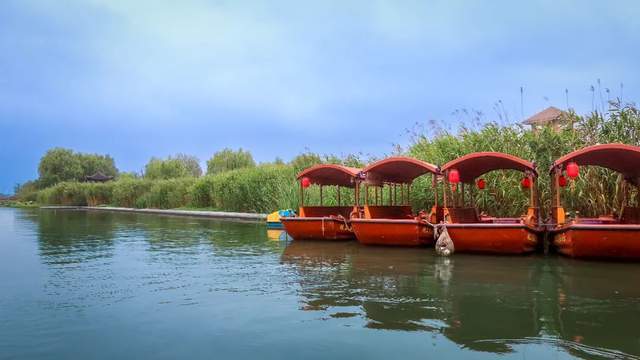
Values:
[(76, 285)]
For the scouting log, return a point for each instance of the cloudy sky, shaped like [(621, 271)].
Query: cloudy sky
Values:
[(137, 79)]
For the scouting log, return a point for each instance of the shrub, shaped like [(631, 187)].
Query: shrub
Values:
[(126, 192), (168, 194), (202, 192)]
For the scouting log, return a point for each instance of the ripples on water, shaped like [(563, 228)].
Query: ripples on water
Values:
[(104, 285)]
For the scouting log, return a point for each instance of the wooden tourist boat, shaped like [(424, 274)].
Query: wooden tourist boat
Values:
[(607, 236), (394, 223), (471, 231), (325, 222)]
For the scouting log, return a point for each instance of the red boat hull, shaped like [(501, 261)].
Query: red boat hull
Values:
[(493, 238), (317, 228), (392, 232), (598, 241)]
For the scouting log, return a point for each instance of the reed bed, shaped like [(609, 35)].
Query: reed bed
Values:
[(267, 187)]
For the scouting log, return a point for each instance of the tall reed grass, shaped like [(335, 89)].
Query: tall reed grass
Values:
[(265, 188)]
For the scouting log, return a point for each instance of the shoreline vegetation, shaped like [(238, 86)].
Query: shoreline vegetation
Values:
[(234, 182)]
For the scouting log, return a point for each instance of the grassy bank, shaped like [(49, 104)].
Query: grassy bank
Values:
[(257, 189), (264, 188)]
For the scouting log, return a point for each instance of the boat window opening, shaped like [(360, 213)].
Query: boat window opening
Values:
[(462, 202)]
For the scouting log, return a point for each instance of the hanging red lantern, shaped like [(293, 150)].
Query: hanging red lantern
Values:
[(526, 183), (305, 182), (562, 181), (454, 176), (573, 170), (481, 184)]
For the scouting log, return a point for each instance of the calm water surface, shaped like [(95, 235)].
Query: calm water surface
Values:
[(104, 286)]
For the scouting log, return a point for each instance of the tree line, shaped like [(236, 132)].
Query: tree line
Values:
[(235, 182)]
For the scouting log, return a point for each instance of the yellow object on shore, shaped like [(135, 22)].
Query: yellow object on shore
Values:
[(273, 219)]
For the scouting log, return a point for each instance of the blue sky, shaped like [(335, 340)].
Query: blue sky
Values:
[(137, 79)]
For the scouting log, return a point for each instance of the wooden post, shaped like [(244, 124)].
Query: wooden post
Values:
[(445, 191), (532, 199), (434, 183), (338, 191), (320, 195), (301, 195), (462, 202), (557, 186), (366, 194)]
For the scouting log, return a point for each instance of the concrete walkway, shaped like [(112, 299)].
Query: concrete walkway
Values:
[(193, 213)]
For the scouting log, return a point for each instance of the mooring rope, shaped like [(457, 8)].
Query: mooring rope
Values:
[(344, 220)]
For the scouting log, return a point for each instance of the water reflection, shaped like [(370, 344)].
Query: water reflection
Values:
[(484, 303), (67, 237), (88, 262)]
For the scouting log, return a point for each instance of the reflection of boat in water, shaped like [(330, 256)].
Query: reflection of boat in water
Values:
[(493, 304), (598, 305), (411, 289), (277, 235)]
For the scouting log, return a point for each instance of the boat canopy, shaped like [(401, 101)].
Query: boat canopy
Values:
[(622, 158), (474, 165), (398, 169), (331, 174)]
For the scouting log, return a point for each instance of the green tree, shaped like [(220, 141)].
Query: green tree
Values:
[(178, 166), (59, 165), (228, 159), (164, 169), (93, 163), (191, 163), (305, 160)]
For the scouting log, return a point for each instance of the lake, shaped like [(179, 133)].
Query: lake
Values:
[(104, 285)]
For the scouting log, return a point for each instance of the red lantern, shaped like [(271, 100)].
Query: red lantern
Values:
[(562, 181), (526, 183), (573, 170), (481, 184), (454, 176), (305, 182)]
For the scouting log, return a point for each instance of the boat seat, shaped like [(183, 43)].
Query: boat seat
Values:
[(388, 212), (323, 211), (466, 215), (630, 215)]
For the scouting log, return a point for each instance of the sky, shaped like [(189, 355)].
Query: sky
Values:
[(136, 79)]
